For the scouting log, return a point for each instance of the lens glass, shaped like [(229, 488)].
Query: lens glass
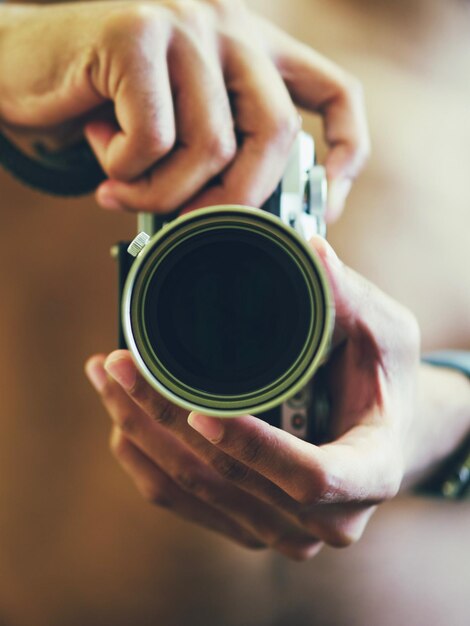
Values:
[(227, 312)]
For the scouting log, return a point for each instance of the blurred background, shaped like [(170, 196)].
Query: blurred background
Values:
[(77, 544)]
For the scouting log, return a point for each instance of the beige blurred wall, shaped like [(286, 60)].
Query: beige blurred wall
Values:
[(407, 226), (77, 545)]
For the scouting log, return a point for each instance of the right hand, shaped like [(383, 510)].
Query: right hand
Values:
[(258, 484), (204, 96)]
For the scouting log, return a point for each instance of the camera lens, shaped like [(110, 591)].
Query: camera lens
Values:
[(227, 310)]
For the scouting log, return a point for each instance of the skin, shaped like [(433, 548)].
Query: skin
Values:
[(185, 104), (391, 419), (77, 542), (127, 148)]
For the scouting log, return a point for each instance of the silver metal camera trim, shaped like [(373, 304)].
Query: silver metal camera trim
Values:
[(303, 207)]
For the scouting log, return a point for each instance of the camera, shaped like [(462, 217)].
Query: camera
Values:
[(227, 310)]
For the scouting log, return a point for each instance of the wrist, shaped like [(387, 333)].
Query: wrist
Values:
[(441, 421)]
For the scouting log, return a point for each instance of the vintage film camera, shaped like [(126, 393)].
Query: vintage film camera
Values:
[(227, 311)]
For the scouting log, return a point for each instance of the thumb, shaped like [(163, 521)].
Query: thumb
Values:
[(364, 313), (358, 302)]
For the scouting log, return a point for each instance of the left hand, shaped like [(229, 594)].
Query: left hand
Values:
[(199, 98), (262, 486)]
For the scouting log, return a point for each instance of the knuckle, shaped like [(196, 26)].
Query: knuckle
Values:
[(252, 449), (298, 547), (153, 493), (160, 140), (148, 199), (318, 488), (187, 480), (283, 127), (356, 151), (221, 148), (165, 414), (346, 532), (131, 20), (414, 332), (249, 195), (348, 529), (127, 422), (359, 151), (138, 18), (152, 202), (391, 487), (191, 481), (351, 92), (341, 538), (116, 169), (188, 13), (272, 537), (293, 123), (148, 142), (411, 333), (209, 495), (303, 552), (267, 531), (403, 345), (107, 393), (231, 469), (352, 88), (299, 555), (118, 444), (253, 544), (306, 496), (363, 151), (219, 6)]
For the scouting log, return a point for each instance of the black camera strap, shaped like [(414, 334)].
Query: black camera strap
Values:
[(73, 171)]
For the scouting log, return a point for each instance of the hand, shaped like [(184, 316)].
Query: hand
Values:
[(203, 95), (258, 484)]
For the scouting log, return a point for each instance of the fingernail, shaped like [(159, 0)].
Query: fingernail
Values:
[(323, 248), (209, 427), (122, 370), (338, 191), (96, 375), (107, 201), (331, 255)]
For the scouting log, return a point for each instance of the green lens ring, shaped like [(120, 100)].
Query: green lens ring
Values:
[(158, 368), (193, 399), (285, 238)]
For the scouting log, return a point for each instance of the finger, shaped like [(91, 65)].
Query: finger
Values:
[(163, 413), (317, 84), (267, 124), (206, 138), (270, 526), (352, 469), (156, 487), (145, 130), (338, 525)]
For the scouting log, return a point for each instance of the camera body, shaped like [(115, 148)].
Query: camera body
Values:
[(294, 213)]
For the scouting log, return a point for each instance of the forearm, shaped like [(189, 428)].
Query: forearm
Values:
[(441, 422)]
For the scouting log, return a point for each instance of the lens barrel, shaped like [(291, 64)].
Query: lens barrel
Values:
[(227, 311)]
